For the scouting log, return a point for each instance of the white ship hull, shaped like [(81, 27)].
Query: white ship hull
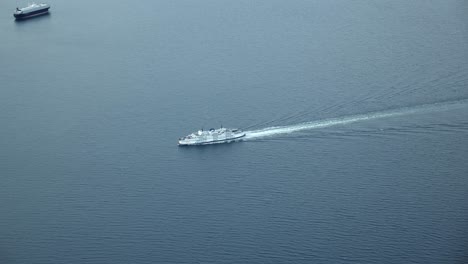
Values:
[(212, 136)]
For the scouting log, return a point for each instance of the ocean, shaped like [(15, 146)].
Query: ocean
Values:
[(355, 113)]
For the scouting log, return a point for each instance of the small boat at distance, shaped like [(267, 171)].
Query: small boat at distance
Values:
[(212, 136), (31, 10)]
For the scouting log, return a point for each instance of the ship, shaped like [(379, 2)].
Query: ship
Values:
[(212, 136), (31, 10)]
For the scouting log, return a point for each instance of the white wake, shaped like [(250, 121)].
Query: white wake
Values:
[(278, 130)]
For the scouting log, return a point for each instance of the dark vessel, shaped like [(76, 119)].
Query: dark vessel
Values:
[(31, 11)]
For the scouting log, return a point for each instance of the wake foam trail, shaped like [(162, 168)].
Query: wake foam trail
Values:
[(278, 130)]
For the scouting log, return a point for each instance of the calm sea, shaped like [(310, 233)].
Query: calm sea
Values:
[(356, 115)]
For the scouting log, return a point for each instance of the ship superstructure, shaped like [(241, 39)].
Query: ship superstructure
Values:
[(212, 136)]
